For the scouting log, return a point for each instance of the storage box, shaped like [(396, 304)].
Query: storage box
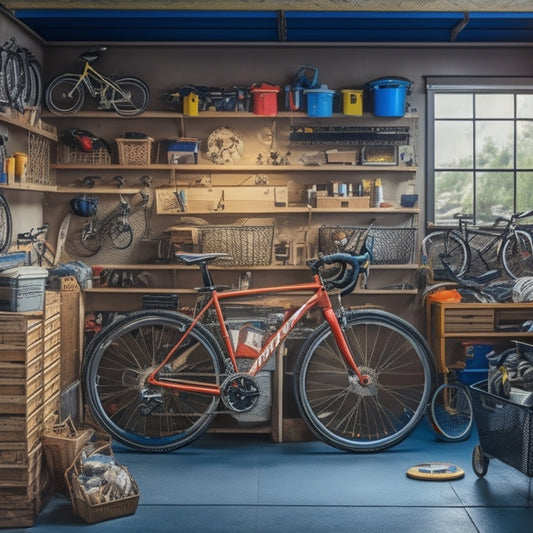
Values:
[(22, 289), (342, 202), (352, 102), (182, 151), (12, 260), (476, 355)]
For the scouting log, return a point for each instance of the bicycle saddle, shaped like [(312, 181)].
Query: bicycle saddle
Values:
[(90, 56), (194, 259)]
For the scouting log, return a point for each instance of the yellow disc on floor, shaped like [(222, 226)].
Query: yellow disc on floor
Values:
[(435, 472)]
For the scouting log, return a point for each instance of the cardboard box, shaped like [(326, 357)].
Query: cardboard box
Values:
[(342, 202)]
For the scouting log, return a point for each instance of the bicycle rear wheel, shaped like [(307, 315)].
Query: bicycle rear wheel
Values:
[(120, 233), (445, 247), (63, 96), (517, 255), (6, 225), (137, 99), (117, 364), (451, 412), (356, 418)]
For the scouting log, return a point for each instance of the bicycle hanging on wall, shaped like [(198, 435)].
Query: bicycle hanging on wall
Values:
[(128, 96)]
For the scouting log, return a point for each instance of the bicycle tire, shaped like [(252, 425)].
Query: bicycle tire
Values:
[(451, 412), (57, 95), (6, 225), (445, 246), (139, 98), (11, 76), (34, 89), (118, 361), (516, 255), (120, 233), (355, 418)]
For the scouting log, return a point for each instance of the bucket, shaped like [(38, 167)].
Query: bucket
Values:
[(265, 99), (319, 101), (389, 96), (21, 163), (352, 102)]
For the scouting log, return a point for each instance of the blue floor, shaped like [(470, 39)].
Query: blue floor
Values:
[(246, 483)]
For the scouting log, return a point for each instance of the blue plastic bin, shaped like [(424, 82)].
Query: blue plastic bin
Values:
[(390, 96), (319, 101)]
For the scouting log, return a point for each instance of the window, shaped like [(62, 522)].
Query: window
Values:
[(480, 148)]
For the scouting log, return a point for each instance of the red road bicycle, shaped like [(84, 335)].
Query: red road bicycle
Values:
[(155, 379)]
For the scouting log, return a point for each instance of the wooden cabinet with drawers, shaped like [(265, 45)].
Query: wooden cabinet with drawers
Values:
[(451, 324)]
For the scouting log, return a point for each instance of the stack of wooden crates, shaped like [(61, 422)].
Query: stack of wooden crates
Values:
[(30, 373)]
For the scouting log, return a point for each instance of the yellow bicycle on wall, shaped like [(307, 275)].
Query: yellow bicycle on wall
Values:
[(66, 94)]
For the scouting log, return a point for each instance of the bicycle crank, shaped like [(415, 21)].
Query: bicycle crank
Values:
[(240, 392)]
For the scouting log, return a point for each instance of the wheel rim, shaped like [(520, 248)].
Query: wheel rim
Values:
[(135, 412), (373, 417)]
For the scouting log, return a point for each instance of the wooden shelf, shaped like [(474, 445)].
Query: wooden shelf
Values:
[(220, 114), (221, 169), (23, 124)]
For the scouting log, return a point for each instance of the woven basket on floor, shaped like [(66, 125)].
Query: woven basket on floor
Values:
[(93, 512)]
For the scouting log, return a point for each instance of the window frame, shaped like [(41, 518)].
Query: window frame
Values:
[(464, 85)]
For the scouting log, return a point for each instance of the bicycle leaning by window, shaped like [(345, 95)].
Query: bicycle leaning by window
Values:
[(66, 94), (155, 379), (456, 248)]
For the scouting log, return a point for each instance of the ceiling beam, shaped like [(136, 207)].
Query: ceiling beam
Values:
[(282, 5)]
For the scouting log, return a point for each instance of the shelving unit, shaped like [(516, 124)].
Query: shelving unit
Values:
[(297, 214)]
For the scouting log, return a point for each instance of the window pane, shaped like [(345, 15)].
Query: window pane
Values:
[(453, 106), (524, 191), (494, 144), (454, 144), (494, 106), (524, 105), (524, 144), (494, 196), (453, 194)]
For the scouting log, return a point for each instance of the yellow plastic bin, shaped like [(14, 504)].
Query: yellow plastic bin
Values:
[(352, 102)]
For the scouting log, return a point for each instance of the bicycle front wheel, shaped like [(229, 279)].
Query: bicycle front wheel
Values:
[(517, 255), (6, 225), (117, 364), (445, 247), (134, 99), (451, 412), (357, 418), (63, 96)]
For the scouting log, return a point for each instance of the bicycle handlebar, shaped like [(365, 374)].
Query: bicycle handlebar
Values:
[(349, 272)]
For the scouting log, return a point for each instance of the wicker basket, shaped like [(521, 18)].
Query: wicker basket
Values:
[(98, 512), (67, 156), (135, 151), (390, 245), (246, 245), (61, 447)]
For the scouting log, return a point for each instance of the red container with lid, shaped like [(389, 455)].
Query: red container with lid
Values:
[(265, 99)]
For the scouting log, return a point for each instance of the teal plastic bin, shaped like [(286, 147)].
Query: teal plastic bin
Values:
[(390, 96)]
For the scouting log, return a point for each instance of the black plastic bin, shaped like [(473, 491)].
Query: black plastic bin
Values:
[(505, 431)]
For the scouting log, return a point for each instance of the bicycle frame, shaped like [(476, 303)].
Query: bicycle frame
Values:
[(88, 75), (320, 299)]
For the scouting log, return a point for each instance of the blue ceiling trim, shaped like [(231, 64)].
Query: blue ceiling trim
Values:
[(100, 25)]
